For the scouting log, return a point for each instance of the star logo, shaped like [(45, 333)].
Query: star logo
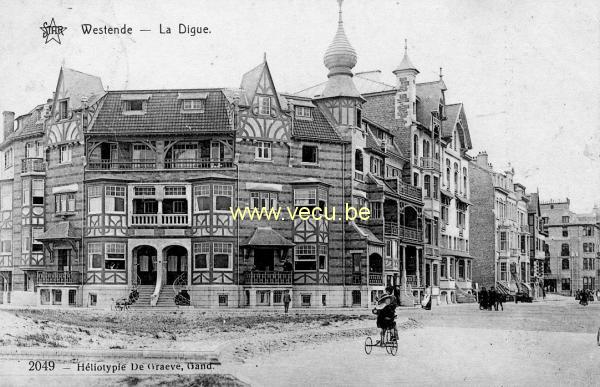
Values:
[(50, 31)]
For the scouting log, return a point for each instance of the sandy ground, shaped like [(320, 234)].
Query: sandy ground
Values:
[(544, 343)]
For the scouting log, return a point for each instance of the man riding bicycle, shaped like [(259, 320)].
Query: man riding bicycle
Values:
[(386, 315)]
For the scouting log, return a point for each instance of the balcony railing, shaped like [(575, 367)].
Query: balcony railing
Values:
[(204, 163), (33, 165), (411, 233), (174, 219), (121, 165), (409, 190), (159, 220), (391, 229), (58, 278), (375, 279), (267, 277), (430, 163), (200, 163)]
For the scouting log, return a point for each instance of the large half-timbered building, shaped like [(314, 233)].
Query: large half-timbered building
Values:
[(104, 192)]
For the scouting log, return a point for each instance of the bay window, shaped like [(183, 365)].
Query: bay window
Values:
[(305, 257), (115, 200), (95, 199), (202, 198), (201, 255), (222, 256), (94, 256), (223, 196), (115, 256)]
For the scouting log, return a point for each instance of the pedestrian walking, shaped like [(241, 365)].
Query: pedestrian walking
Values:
[(483, 298), (286, 301), (493, 296)]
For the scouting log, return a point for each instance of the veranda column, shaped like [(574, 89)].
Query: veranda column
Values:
[(418, 267), (404, 266)]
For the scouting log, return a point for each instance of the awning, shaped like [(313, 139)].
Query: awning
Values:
[(366, 233), (267, 237), (62, 231), (454, 253), (447, 193), (463, 199)]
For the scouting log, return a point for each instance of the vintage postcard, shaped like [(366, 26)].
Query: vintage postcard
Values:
[(299, 193)]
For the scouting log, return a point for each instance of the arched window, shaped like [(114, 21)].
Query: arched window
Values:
[(456, 176), (416, 179), (454, 140), (564, 250), (465, 180), (565, 264), (416, 146), (448, 173), (358, 160), (425, 148)]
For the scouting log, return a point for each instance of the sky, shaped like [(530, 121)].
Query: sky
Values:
[(527, 72)]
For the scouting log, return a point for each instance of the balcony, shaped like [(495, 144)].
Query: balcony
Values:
[(203, 163), (128, 165), (167, 220), (430, 163), (432, 251), (391, 229), (58, 278), (30, 165), (409, 190), (376, 279), (411, 234), (268, 278)]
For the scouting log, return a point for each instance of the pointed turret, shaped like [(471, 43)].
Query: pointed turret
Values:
[(340, 58), (406, 65)]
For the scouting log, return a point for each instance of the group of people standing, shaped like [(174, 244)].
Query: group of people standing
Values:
[(490, 299), (584, 296)]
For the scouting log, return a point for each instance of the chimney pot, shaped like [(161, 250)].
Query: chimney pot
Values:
[(9, 123)]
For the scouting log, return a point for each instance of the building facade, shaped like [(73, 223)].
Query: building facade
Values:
[(138, 189), (572, 242), (500, 234)]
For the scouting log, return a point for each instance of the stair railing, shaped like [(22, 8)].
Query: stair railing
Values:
[(179, 284)]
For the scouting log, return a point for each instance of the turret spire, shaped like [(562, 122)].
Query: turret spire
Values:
[(406, 64), (340, 57)]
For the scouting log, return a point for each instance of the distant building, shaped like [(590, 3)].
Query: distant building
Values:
[(573, 242), (499, 229), (538, 251)]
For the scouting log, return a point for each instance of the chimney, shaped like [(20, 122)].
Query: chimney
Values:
[(482, 159), (9, 123)]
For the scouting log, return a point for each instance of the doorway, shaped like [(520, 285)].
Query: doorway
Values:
[(264, 259), (145, 262), (176, 257)]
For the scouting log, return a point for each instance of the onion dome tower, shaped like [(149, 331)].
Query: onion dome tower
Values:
[(340, 58)]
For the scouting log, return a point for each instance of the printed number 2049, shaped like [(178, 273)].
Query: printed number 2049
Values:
[(41, 365)]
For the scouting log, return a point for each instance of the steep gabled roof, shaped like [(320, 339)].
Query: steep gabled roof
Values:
[(457, 118), (317, 128), (429, 95), (250, 81), (76, 85), (163, 114)]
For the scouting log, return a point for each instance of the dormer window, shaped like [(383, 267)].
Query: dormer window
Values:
[(193, 105), (134, 105), (264, 105), (303, 112), (62, 108)]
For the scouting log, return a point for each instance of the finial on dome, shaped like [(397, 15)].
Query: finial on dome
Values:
[(340, 57), (441, 75), (405, 46), (264, 56)]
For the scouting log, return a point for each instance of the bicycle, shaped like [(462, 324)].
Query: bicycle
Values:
[(386, 341)]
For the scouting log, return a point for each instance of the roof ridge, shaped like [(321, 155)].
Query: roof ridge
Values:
[(169, 90), (374, 81)]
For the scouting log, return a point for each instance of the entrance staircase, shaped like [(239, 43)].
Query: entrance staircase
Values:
[(145, 292), (166, 298)]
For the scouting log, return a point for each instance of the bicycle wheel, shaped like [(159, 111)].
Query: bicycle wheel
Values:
[(368, 345), (387, 342), (393, 348)]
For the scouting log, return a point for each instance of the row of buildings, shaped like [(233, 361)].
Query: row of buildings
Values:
[(108, 191)]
